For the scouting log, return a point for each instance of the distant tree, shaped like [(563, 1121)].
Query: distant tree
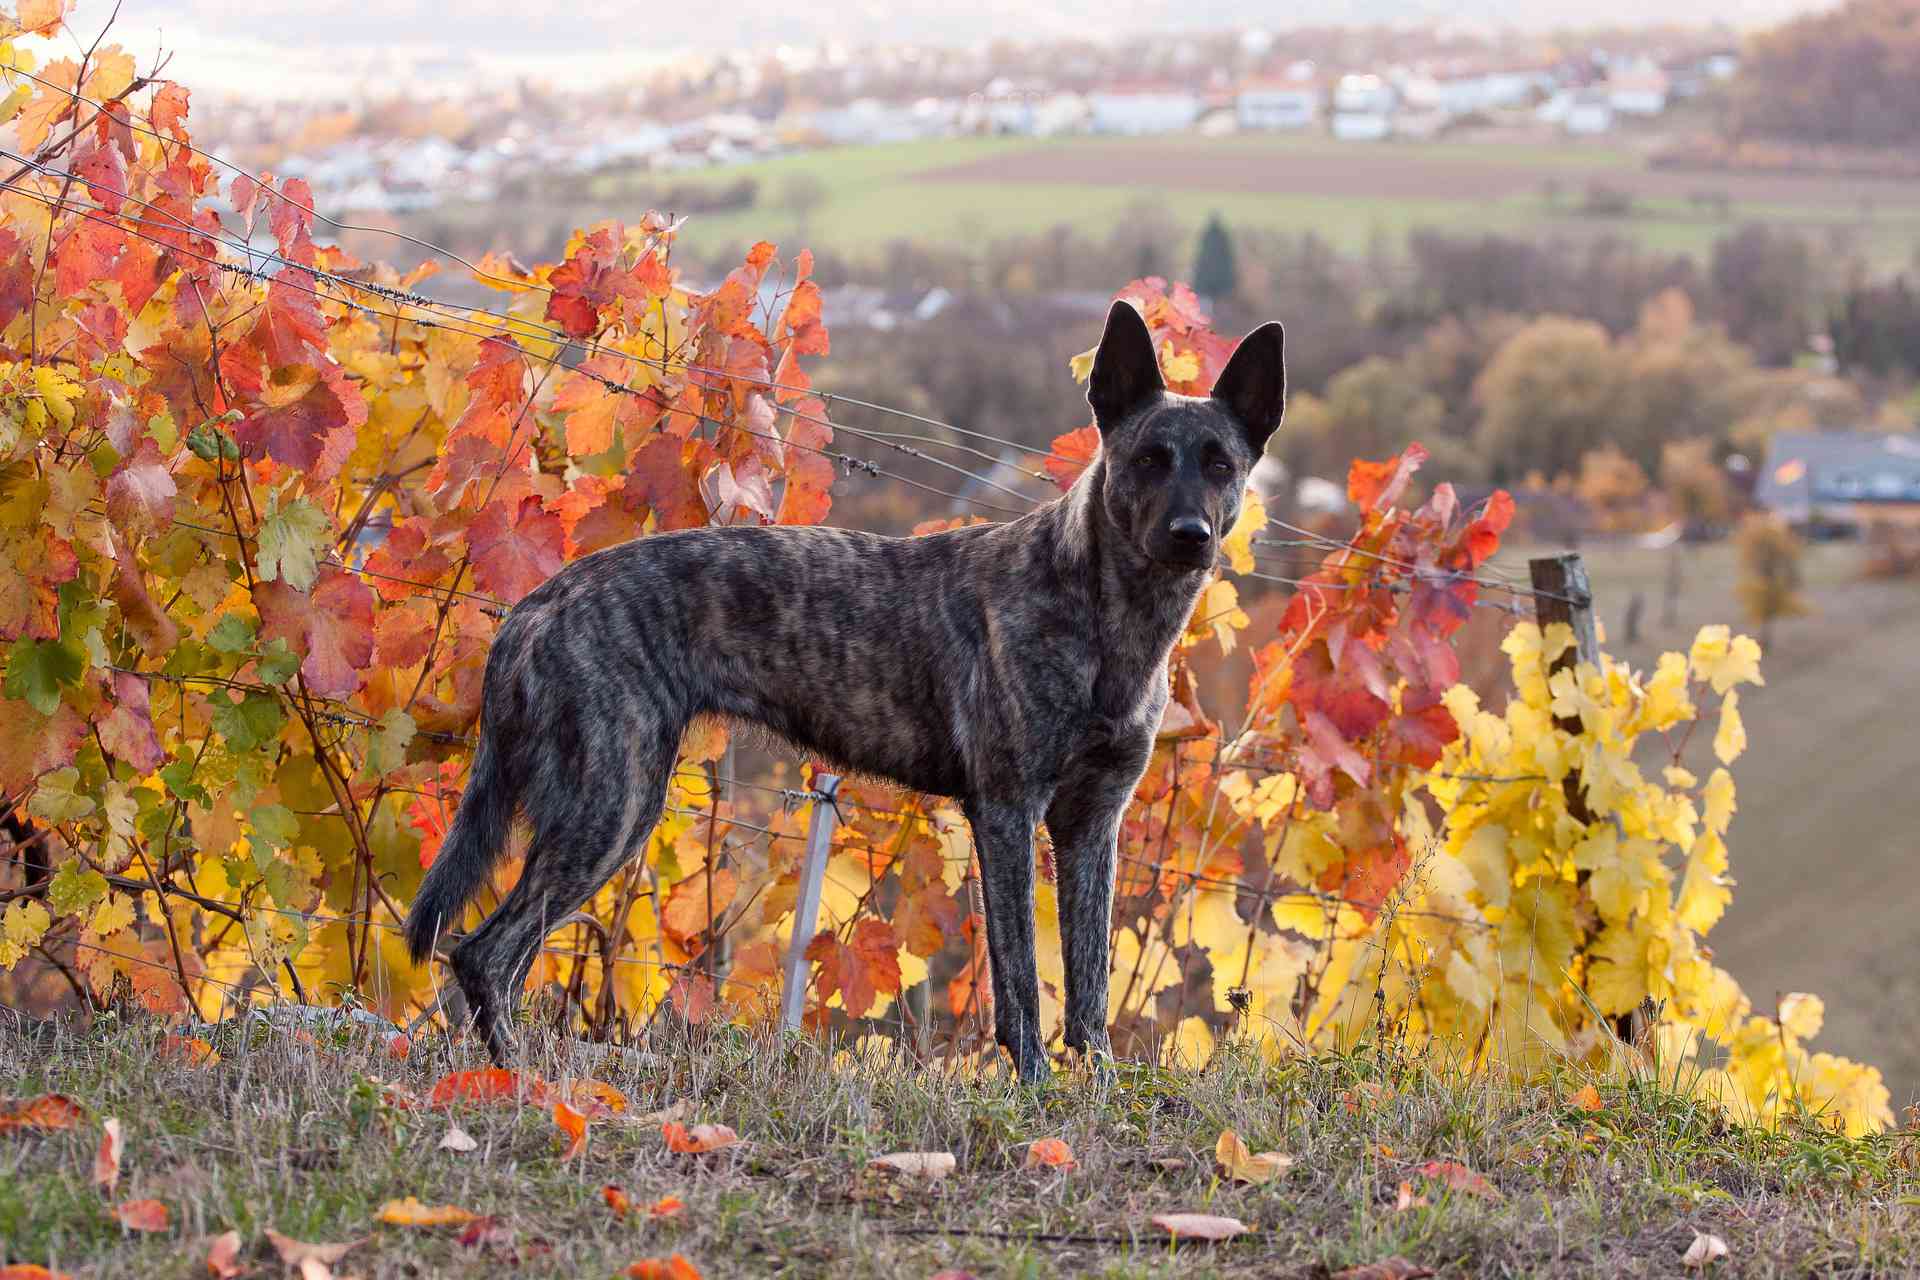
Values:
[(1454, 274), (1850, 75), (1371, 410), (1305, 275), (1216, 275), (1605, 278), (1765, 287), (1549, 397), (1876, 327), (1769, 585), (1684, 381), (1451, 354), (1614, 489), (1697, 490)]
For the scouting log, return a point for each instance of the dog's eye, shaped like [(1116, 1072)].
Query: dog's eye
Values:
[(1220, 469), (1151, 460)]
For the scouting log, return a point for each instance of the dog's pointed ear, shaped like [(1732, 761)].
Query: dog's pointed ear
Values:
[(1253, 386), (1126, 372)]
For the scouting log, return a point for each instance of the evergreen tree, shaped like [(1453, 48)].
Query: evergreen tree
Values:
[(1215, 273)]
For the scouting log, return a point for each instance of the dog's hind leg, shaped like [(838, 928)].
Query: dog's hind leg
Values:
[(577, 847)]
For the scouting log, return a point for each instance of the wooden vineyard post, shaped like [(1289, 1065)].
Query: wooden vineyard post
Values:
[(1561, 593), (806, 911)]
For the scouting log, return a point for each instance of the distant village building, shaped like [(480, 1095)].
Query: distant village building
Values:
[(1582, 112), (1138, 109), (1363, 108), (638, 143), (1030, 111), (1841, 479), (1464, 92), (1638, 90), (869, 120), (1277, 104)]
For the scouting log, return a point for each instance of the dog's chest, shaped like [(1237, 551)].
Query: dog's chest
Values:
[(1123, 712)]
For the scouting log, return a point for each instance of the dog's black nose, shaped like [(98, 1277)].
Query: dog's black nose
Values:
[(1190, 531)]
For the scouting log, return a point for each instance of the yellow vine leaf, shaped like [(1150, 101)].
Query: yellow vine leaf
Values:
[(1730, 740), (1238, 544), (1723, 659)]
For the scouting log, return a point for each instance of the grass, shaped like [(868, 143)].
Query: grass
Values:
[(298, 1138), (879, 194)]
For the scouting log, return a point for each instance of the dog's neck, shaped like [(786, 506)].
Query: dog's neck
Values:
[(1140, 606)]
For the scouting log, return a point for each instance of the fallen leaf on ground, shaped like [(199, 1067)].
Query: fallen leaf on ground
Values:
[(673, 1268), (191, 1050), (457, 1139), (1586, 1098), (672, 1113), (488, 1084), (1241, 1165), (596, 1098), (1051, 1153), (399, 1046), (411, 1213), (1408, 1200), (492, 1235), (702, 1137), (46, 1113), (480, 1231), (1171, 1164), (1705, 1250), (142, 1215), (298, 1252), (1199, 1226), (953, 1273), (223, 1256), (106, 1161), (667, 1207), (616, 1199), (1459, 1177), (31, 1271), (573, 1125), (931, 1165), (1394, 1268)]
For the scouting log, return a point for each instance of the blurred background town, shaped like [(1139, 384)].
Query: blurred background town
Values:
[(1651, 266)]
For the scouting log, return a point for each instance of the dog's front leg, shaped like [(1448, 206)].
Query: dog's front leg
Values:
[(1004, 835), (1084, 823)]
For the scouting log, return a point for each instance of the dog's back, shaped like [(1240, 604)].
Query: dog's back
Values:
[(865, 650)]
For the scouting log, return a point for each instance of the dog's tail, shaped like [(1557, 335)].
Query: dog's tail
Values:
[(475, 842)]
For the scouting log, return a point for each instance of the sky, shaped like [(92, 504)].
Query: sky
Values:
[(300, 48)]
